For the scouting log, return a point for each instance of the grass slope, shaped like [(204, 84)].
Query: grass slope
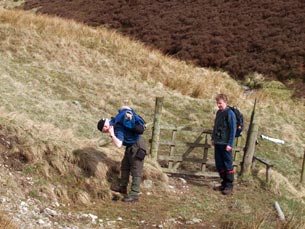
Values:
[(59, 77)]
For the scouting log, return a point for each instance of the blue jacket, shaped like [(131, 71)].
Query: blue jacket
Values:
[(123, 127), (224, 127)]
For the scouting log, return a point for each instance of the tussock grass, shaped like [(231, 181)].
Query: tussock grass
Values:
[(5, 223), (58, 78)]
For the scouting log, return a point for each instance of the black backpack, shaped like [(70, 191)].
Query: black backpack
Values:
[(239, 120)]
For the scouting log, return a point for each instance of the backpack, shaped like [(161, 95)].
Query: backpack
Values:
[(239, 120), (129, 118)]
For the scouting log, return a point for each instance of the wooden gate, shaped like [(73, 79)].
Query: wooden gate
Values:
[(174, 156), (180, 152)]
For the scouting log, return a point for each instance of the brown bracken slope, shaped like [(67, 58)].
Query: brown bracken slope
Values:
[(239, 36)]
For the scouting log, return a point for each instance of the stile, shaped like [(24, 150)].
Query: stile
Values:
[(172, 147), (190, 149), (205, 154)]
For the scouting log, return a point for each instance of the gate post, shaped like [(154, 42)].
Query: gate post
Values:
[(156, 129), (250, 144), (250, 148), (303, 169)]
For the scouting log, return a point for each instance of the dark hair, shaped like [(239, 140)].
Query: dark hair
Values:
[(101, 124)]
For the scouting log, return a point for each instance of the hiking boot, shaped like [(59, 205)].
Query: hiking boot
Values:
[(131, 199), (120, 189), (219, 188), (227, 191)]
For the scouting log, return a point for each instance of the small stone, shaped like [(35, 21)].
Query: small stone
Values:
[(41, 221), (50, 212), (182, 180), (147, 184), (195, 220)]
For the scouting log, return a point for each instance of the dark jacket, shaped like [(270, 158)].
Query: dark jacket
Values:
[(224, 127)]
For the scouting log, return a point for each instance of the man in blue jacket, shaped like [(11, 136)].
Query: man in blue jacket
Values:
[(127, 129), (223, 139)]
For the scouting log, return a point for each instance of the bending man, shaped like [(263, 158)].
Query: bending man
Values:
[(127, 129)]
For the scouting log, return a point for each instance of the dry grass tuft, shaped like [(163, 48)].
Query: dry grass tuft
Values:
[(5, 223), (280, 183)]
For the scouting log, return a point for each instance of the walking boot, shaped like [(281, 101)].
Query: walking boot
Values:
[(120, 189), (134, 190), (130, 199), (227, 190), (219, 188), (229, 182), (222, 186)]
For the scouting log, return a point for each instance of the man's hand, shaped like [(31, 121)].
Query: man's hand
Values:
[(228, 148), (115, 140), (111, 131)]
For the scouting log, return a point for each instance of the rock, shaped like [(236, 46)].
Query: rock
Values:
[(77, 105), (147, 184), (41, 221), (2, 200), (50, 212), (195, 220), (93, 217), (172, 220), (182, 180)]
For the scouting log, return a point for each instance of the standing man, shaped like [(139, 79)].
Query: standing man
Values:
[(223, 139), (127, 129)]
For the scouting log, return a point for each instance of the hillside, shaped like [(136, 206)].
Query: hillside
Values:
[(240, 37), (59, 77)]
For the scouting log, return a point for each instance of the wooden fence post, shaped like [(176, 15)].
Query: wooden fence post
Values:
[(156, 129), (303, 169), (248, 155)]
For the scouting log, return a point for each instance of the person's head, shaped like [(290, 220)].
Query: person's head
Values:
[(103, 125), (221, 101)]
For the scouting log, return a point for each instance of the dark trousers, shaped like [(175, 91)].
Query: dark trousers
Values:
[(224, 165), (132, 165)]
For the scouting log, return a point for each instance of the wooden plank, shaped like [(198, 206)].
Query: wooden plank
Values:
[(193, 145), (205, 155), (183, 128), (172, 148), (240, 148), (263, 161), (179, 158), (189, 144), (192, 173)]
